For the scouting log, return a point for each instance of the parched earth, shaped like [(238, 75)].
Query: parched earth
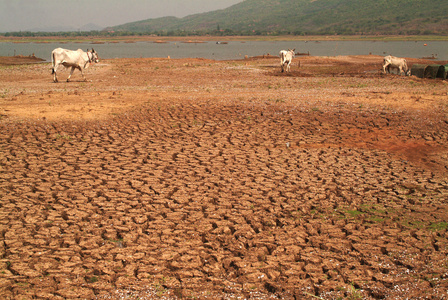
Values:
[(191, 178)]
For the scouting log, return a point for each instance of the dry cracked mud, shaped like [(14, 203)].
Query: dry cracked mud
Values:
[(169, 179)]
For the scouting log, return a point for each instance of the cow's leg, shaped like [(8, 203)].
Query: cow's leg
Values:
[(385, 65), (82, 73), (55, 68), (71, 73), (289, 66), (286, 66)]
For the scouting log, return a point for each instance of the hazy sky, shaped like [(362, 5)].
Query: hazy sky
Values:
[(22, 15)]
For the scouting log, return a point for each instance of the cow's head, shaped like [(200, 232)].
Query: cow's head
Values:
[(406, 69), (407, 72), (94, 56)]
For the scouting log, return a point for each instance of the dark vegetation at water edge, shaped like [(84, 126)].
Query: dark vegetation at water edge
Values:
[(129, 37)]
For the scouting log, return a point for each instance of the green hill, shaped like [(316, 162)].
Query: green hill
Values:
[(307, 17)]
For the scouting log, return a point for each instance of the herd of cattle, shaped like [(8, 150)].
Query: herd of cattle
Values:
[(81, 60), (388, 62)]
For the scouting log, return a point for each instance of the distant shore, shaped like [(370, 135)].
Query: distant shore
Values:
[(159, 39)]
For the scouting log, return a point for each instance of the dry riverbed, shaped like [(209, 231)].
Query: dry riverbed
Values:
[(223, 179)]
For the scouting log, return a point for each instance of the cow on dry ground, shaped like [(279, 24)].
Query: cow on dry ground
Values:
[(395, 62), (286, 58), (75, 59)]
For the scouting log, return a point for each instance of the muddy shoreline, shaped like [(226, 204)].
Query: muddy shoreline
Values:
[(19, 60)]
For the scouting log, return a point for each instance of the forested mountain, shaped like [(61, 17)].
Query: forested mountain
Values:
[(307, 17)]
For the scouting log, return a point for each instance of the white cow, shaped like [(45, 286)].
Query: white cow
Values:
[(395, 62), (75, 59), (286, 58)]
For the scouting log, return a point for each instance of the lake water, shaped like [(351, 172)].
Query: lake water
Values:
[(236, 49)]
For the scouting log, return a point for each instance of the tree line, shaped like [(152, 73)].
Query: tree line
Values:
[(335, 30)]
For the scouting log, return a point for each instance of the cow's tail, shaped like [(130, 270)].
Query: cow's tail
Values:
[(52, 63)]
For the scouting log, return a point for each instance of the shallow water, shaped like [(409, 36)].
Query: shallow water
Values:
[(237, 49)]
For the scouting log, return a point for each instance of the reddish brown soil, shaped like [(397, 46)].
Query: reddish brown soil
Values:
[(171, 179)]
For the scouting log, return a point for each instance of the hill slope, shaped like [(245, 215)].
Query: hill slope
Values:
[(308, 17)]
